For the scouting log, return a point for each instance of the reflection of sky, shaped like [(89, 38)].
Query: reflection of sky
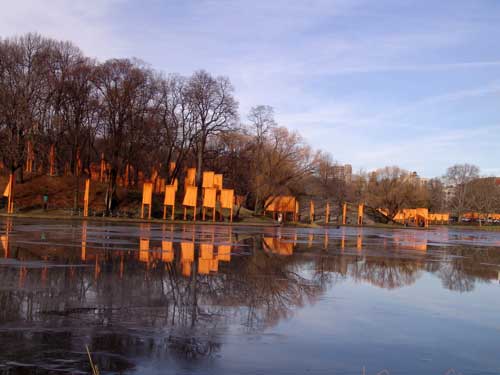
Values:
[(421, 328)]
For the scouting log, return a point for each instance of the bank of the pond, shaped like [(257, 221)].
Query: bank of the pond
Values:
[(48, 216), (246, 220)]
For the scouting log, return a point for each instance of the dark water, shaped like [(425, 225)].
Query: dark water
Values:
[(154, 299)]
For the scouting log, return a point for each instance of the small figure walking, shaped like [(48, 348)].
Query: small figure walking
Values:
[(280, 218), (45, 201)]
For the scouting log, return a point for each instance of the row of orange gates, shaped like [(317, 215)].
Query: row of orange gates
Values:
[(286, 204), (213, 193), (289, 205)]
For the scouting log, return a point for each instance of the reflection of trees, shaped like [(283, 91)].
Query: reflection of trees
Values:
[(269, 287), (387, 272), (459, 268), (131, 308), (462, 267), (454, 278)]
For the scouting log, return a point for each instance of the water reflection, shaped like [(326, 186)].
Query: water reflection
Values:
[(172, 293)]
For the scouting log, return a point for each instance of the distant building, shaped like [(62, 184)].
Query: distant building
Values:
[(449, 193), (348, 173), (343, 172), (417, 180)]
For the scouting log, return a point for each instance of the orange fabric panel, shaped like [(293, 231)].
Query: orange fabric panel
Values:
[(423, 212), (147, 193), (439, 216), (218, 181), (383, 211), (4, 240), (204, 266), (87, 190), (282, 203), (144, 250), (209, 197), (287, 204), (190, 177), (167, 251), (170, 191), (284, 248), (186, 269), (206, 251), (187, 252), (6, 192), (214, 265), (52, 160), (190, 196), (208, 179), (270, 204), (154, 174), (278, 246), (161, 185), (224, 253), (227, 198), (269, 243)]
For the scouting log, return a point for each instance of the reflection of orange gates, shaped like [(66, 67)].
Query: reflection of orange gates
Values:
[(278, 246)]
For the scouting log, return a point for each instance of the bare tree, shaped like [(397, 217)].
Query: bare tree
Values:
[(125, 93), (23, 88), (390, 188), (436, 193), (74, 103), (176, 124), (483, 196), (214, 109), (458, 176)]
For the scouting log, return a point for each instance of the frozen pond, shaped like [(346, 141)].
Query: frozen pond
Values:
[(161, 299)]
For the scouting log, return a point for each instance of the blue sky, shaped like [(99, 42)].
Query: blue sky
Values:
[(373, 82)]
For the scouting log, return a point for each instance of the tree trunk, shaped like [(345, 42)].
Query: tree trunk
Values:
[(199, 164), (111, 191), (256, 209), (76, 192), (20, 175)]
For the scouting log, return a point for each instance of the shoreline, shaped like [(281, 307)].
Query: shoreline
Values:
[(243, 222)]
